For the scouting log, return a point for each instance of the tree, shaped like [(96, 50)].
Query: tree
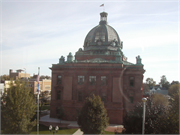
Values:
[(174, 89), (145, 88), (164, 82), (44, 97), (154, 114), (18, 109), (45, 77), (172, 119), (4, 78), (175, 82), (93, 116), (150, 82), (160, 99)]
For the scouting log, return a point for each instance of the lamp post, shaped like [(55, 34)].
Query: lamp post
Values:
[(51, 129), (144, 110)]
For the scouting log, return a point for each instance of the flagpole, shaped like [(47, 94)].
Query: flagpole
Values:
[(38, 89), (38, 115), (102, 5)]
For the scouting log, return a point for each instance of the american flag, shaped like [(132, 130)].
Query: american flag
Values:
[(38, 81), (102, 5)]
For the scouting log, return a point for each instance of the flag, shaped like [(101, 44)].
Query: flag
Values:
[(38, 76), (102, 5)]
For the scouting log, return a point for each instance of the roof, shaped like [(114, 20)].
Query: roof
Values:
[(102, 35)]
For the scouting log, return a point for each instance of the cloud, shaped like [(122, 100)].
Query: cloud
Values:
[(37, 33)]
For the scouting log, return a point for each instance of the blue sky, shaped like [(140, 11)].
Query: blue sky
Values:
[(35, 33)]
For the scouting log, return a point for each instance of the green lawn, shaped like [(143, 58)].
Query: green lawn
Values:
[(45, 107), (110, 133), (45, 130), (65, 131), (61, 131)]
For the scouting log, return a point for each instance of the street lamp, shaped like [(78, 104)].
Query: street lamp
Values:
[(51, 128), (144, 109)]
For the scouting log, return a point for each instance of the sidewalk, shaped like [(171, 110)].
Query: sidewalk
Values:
[(46, 120), (78, 132), (71, 124)]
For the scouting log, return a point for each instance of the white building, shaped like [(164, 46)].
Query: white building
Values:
[(159, 90), (1, 89)]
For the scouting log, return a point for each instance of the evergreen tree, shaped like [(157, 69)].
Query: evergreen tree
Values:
[(18, 109), (93, 116)]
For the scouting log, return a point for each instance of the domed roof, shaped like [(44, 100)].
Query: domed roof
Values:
[(102, 35)]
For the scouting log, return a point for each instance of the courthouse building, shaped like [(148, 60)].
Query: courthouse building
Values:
[(100, 67)]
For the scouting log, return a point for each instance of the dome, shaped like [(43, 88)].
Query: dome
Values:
[(103, 36)]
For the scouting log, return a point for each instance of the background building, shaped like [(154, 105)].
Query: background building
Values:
[(1, 89), (100, 68), (45, 84), (18, 74)]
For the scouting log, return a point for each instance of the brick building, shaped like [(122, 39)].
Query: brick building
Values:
[(100, 68), (18, 74)]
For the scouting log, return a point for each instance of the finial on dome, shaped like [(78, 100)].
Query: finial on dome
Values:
[(103, 19)]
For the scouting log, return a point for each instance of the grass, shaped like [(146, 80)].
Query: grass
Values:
[(45, 107), (110, 133), (45, 130), (60, 131)]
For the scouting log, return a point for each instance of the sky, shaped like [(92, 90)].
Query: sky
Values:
[(36, 33)]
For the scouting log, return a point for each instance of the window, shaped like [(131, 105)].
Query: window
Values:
[(92, 80), (80, 96), (131, 99), (80, 80), (59, 95), (59, 79), (131, 81), (103, 80)]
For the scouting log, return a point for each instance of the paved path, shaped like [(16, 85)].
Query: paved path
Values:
[(73, 124), (78, 132), (46, 118)]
